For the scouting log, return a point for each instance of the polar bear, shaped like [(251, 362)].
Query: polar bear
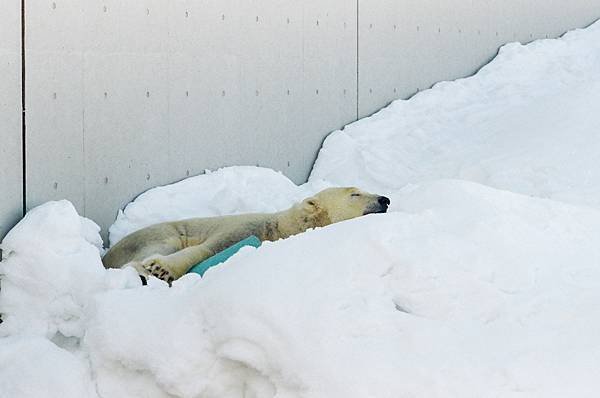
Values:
[(168, 250)]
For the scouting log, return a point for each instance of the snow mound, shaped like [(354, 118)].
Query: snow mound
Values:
[(484, 293), (527, 122), (50, 241)]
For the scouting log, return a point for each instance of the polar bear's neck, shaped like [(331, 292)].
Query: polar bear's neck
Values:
[(296, 220)]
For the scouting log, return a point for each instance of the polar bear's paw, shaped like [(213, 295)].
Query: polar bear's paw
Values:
[(158, 268)]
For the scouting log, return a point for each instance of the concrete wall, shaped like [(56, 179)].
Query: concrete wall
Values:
[(126, 95), (11, 175)]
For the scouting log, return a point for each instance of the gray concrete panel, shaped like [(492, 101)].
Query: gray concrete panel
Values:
[(126, 131), (11, 167), (54, 96), (54, 143), (406, 46), (272, 57), (330, 75)]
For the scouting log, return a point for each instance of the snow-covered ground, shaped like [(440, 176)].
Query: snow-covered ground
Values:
[(483, 280)]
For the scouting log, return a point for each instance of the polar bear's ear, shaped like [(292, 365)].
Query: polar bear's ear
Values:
[(311, 204), (315, 214)]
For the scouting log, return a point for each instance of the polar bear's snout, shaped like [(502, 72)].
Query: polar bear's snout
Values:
[(383, 204), (380, 207), (383, 201)]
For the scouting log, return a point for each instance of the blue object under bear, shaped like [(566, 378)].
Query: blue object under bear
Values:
[(222, 256)]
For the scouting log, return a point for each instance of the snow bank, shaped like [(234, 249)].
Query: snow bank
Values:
[(484, 293), (527, 122), (51, 271), (462, 290)]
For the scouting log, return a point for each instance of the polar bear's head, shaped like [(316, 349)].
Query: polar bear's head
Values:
[(338, 204)]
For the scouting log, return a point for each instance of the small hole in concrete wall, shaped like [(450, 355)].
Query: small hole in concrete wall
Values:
[(223, 93), (288, 92), (106, 180), (187, 14), (317, 22), (105, 95), (288, 164), (257, 18), (345, 91), (147, 11), (147, 94), (288, 21), (54, 95), (55, 185), (395, 27), (317, 91), (187, 173), (147, 177), (371, 90), (54, 6), (223, 18), (187, 93), (370, 26), (439, 30), (105, 9)]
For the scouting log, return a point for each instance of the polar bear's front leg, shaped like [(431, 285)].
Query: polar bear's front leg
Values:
[(171, 267)]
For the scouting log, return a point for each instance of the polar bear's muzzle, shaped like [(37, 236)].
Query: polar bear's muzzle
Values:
[(380, 207)]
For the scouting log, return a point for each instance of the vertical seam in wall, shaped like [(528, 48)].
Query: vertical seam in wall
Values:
[(357, 57), (170, 170), (23, 111), (83, 146)]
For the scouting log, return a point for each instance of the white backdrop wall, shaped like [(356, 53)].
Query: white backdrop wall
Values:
[(11, 176), (126, 95)]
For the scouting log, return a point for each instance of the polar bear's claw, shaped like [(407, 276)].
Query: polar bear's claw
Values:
[(160, 271)]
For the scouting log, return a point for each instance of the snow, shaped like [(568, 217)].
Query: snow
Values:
[(482, 280)]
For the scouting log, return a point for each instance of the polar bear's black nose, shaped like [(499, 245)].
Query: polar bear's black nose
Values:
[(383, 201)]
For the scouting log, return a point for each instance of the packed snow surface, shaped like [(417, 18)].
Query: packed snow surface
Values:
[(483, 280)]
